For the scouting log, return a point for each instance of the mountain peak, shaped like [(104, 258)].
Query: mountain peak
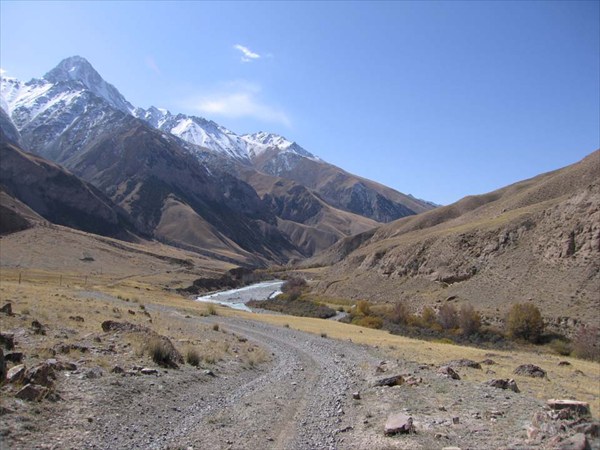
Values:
[(78, 69)]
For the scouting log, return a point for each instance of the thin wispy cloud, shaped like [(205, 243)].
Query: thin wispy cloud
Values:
[(2, 71), (247, 54), (238, 100), (152, 65)]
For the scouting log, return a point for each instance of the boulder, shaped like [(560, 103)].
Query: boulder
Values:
[(576, 442), (32, 392), (7, 340), (16, 374), (488, 362), (42, 374), (61, 365), (579, 408), (149, 371), (7, 309), (448, 372), (38, 328), (356, 395), (564, 363), (504, 383), (530, 370), (396, 380), (398, 423), (464, 363)]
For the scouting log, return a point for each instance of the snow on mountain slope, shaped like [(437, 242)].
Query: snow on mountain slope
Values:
[(79, 70), (259, 142), (197, 131)]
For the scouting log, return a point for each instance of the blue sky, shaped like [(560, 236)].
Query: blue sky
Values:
[(436, 99)]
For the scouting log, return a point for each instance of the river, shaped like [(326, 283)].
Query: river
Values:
[(237, 298)]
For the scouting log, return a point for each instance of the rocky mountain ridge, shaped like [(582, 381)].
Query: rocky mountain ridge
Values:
[(71, 112)]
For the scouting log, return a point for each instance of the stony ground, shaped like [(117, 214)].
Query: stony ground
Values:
[(298, 394)]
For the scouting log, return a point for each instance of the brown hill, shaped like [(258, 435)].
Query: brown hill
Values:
[(309, 222), (55, 194), (339, 188), (537, 240)]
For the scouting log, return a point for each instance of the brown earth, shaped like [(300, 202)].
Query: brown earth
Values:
[(537, 241)]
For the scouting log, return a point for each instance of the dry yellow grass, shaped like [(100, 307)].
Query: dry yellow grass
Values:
[(561, 382), (44, 299)]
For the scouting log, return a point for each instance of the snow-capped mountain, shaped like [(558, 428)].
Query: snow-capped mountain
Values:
[(262, 141), (72, 108), (197, 131), (79, 70)]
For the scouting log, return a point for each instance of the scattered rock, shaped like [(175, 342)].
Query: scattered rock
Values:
[(38, 328), (32, 392), (14, 357), (580, 408), (94, 372), (42, 374), (456, 420), (398, 423), (149, 371), (530, 370), (117, 369), (77, 318), (591, 429), (16, 374), (111, 325), (61, 365), (7, 309), (356, 395), (504, 383), (7, 340), (576, 442), (564, 363), (67, 348), (448, 372), (396, 380), (413, 381), (488, 362), (464, 363), (210, 373)]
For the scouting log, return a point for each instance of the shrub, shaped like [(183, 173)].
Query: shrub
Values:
[(192, 357), (400, 314), (211, 309), (448, 317), (469, 320), (586, 343), (428, 317), (368, 322), (323, 334), (161, 352), (363, 308), (215, 327), (294, 283), (524, 321), (561, 347)]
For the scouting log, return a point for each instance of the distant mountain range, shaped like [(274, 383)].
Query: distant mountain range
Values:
[(186, 180)]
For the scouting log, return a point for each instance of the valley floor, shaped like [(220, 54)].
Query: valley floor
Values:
[(265, 384)]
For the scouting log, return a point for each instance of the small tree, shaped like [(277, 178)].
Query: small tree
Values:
[(448, 317), (469, 320), (524, 321)]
